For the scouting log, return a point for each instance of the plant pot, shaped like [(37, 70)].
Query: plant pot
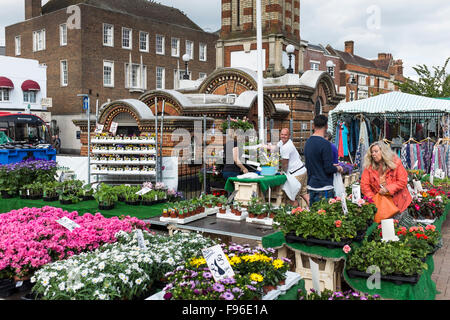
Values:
[(147, 203), (173, 215), (221, 210), (7, 287), (30, 296), (50, 199), (25, 287), (238, 213), (36, 197), (22, 196), (262, 216), (219, 205), (106, 207), (6, 195), (395, 278), (88, 198), (268, 288), (282, 282), (165, 214), (252, 215), (65, 201), (272, 215), (209, 205), (133, 203), (182, 216), (121, 198)]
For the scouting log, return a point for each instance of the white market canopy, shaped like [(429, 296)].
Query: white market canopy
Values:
[(391, 104)]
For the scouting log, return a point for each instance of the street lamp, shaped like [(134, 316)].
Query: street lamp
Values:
[(290, 50), (186, 58)]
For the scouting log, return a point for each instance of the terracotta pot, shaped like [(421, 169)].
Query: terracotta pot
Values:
[(209, 205), (272, 215), (202, 209), (181, 216), (17, 278), (262, 216), (266, 289), (221, 210), (252, 215), (173, 215), (282, 282), (165, 214), (238, 213)]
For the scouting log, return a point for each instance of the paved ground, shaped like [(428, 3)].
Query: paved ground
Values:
[(441, 274)]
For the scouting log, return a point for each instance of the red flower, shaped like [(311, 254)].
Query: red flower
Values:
[(338, 223)]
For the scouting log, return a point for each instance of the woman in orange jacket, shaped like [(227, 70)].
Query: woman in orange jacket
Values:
[(384, 174)]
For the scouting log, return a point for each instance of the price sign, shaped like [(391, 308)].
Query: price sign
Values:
[(68, 224), (417, 186), (143, 191), (388, 230), (356, 193), (99, 128), (218, 263), (113, 128), (344, 204)]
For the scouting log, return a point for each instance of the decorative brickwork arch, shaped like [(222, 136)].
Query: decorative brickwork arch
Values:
[(173, 105), (326, 88), (229, 80), (135, 108), (269, 110)]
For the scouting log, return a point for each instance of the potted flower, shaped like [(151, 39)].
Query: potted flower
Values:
[(69, 191), (36, 191), (106, 197), (131, 198), (49, 191)]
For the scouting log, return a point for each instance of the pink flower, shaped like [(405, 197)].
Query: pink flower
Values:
[(347, 248), (338, 223), (331, 201)]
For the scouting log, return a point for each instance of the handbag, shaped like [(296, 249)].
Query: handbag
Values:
[(386, 207)]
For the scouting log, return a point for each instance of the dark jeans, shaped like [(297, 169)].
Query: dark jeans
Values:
[(315, 196), (230, 174)]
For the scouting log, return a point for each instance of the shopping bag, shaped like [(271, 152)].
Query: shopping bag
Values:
[(338, 185), (291, 187), (386, 207)]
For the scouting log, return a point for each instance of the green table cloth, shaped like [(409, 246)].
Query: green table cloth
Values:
[(91, 206), (265, 182)]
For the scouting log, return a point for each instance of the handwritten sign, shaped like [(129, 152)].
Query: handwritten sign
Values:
[(356, 193), (344, 204), (113, 128), (68, 224), (99, 128), (218, 263)]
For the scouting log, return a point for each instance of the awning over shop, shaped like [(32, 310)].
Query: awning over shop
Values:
[(6, 83), (30, 85)]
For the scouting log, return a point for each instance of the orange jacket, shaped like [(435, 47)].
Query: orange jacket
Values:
[(396, 181)]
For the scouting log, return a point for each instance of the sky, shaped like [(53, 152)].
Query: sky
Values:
[(416, 31)]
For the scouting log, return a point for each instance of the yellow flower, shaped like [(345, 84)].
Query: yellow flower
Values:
[(235, 260), (278, 263), (197, 262), (256, 277)]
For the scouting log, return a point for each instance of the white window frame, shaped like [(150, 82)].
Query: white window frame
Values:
[(130, 38), (315, 63), (191, 53), (202, 75), (202, 50), (109, 37), (64, 77), (177, 47), (362, 80), (108, 63), (39, 40), (163, 77), (331, 71), (5, 92), (162, 44), (63, 34), (18, 45), (352, 95), (27, 95), (147, 42), (141, 76)]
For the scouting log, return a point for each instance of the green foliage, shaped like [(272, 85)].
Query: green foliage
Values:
[(70, 190), (106, 195)]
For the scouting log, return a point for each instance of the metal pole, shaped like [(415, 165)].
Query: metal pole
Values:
[(204, 152), (161, 140), (260, 72), (89, 140), (156, 140)]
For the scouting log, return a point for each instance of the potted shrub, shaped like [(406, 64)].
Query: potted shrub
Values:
[(36, 191), (49, 190), (106, 197), (88, 192), (69, 191), (149, 198), (131, 198)]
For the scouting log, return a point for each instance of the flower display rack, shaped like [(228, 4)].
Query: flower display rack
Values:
[(397, 279), (329, 271), (185, 220), (265, 221)]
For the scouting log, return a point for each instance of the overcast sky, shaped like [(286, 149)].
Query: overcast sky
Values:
[(416, 31)]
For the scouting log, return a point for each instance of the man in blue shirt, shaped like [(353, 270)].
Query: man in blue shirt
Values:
[(319, 162)]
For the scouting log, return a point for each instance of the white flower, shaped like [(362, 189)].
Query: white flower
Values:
[(138, 281), (45, 282), (84, 273), (101, 265), (62, 286)]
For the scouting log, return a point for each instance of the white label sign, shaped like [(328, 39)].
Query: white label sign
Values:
[(315, 275), (113, 129), (140, 239), (218, 263), (143, 191), (68, 224), (387, 228), (344, 204), (356, 193), (417, 186), (99, 128)]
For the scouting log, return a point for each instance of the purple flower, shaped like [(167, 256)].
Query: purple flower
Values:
[(207, 275), (194, 274), (363, 298), (236, 290), (168, 296), (218, 287), (252, 288), (196, 291), (376, 296), (227, 296)]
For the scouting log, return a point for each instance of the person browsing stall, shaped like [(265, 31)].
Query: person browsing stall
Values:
[(291, 162), (319, 162), (233, 166)]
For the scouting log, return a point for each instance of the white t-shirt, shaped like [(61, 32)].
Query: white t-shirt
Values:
[(289, 152)]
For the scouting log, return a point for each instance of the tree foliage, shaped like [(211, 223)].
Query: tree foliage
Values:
[(433, 82)]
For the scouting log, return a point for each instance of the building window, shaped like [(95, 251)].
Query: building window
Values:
[(362, 80), (175, 47), (160, 77), (202, 52), (190, 49), (64, 73), (315, 66), (108, 35), (352, 95), (143, 41), (18, 45), (202, 75), (160, 44), (136, 77), (29, 96), (331, 71), (127, 38), (108, 73), (63, 34), (39, 40), (4, 94)]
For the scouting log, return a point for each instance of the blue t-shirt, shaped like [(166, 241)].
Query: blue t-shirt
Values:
[(319, 163)]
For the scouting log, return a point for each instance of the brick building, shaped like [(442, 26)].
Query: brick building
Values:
[(361, 78), (236, 46), (110, 49)]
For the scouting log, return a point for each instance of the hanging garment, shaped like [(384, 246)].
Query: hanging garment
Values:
[(403, 156), (340, 145), (419, 162), (369, 132), (336, 139), (345, 139)]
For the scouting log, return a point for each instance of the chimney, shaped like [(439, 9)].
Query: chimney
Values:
[(349, 46), (32, 8), (381, 56)]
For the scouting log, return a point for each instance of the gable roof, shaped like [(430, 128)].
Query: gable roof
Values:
[(348, 58), (140, 8)]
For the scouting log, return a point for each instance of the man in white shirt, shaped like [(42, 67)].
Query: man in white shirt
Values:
[(291, 162)]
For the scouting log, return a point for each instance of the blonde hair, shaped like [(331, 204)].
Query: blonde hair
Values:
[(387, 157)]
